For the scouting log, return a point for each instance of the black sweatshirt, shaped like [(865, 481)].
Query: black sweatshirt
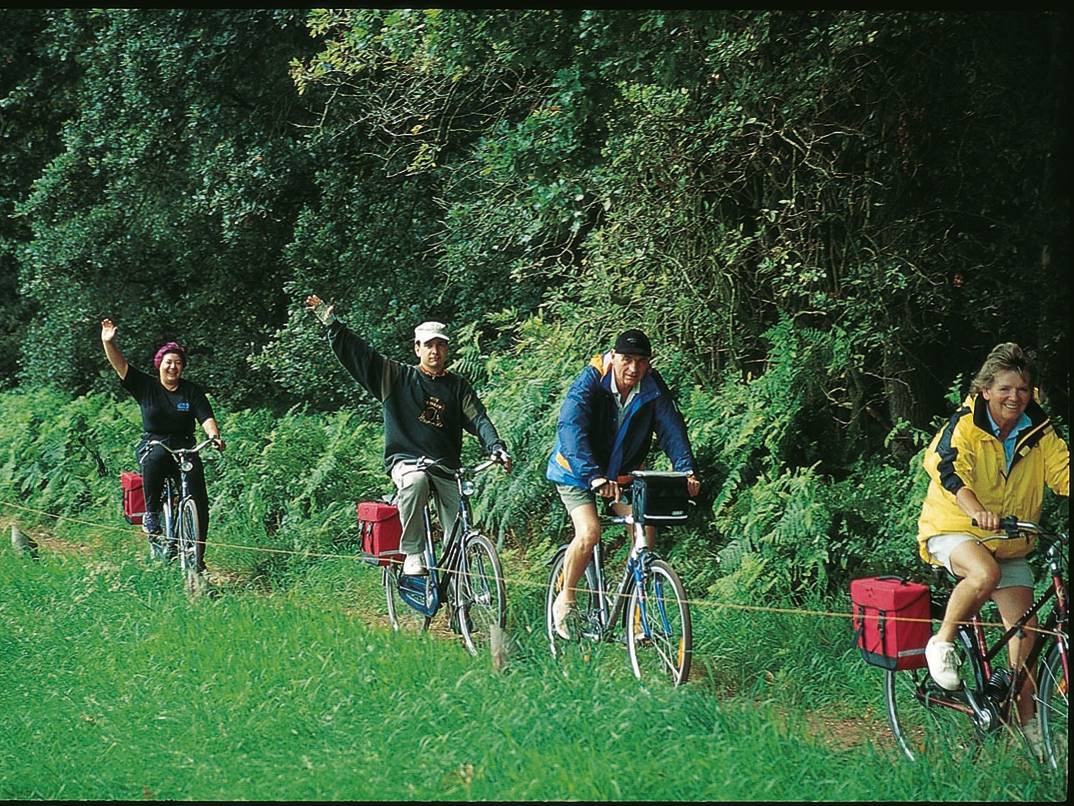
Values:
[(164, 413), (423, 415)]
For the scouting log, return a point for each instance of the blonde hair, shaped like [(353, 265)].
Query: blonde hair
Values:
[(1005, 357)]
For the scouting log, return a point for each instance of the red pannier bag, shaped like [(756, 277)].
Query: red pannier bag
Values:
[(380, 529), (884, 639), (133, 496)]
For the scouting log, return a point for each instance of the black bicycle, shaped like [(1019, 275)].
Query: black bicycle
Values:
[(650, 602), (929, 720), (468, 576), (179, 529)]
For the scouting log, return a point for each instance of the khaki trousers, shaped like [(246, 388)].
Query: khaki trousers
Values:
[(414, 487)]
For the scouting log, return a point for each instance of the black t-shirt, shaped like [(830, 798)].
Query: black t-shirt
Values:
[(164, 413)]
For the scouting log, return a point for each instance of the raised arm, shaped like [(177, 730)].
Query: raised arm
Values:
[(371, 369), (115, 357)]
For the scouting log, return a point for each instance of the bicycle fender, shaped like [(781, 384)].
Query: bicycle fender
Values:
[(559, 552)]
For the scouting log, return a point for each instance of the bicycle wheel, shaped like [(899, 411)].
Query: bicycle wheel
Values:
[(1053, 692), (928, 721), (187, 536), (481, 602), (402, 616), (659, 636), (587, 605)]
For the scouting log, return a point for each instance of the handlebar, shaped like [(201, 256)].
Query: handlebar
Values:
[(1014, 527), (179, 452), (425, 463)]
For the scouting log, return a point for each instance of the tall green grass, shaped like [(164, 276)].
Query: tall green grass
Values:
[(113, 684)]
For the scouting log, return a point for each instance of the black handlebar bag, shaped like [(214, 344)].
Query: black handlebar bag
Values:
[(659, 498)]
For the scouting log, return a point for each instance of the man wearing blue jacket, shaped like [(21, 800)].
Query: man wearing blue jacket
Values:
[(605, 430)]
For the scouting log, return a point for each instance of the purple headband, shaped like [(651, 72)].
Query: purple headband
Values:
[(170, 347)]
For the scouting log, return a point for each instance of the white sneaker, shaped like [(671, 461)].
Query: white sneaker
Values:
[(414, 565), (561, 609), (1034, 738), (943, 663)]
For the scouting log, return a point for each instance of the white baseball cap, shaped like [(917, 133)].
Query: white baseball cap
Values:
[(427, 331)]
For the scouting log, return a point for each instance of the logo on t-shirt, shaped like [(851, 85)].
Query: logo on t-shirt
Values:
[(433, 413), (183, 406)]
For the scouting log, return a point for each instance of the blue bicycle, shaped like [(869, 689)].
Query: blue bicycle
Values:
[(649, 603)]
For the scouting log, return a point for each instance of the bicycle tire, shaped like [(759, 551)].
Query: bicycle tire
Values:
[(160, 541), (659, 631), (922, 725), (1053, 709), (481, 599), (401, 616), (587, 605), (187, 536)]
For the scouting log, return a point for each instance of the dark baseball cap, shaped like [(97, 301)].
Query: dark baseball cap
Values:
[(633, 342)]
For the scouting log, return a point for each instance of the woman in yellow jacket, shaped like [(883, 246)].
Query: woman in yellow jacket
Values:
[(991, 459)]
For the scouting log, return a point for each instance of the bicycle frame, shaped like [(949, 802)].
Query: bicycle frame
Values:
[(633, 575), (425, 594), (974, 630), (168, 495)]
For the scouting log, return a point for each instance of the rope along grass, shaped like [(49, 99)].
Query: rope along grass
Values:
[(514, 581)]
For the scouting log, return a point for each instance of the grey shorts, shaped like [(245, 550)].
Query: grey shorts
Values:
[(574, 497), (1014, 572)]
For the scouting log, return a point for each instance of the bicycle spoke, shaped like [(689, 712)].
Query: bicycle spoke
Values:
[(187, 536), (1053, 710), (928, 722), (585, 621)]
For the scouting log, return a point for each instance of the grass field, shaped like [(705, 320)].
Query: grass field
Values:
[(115, 685)]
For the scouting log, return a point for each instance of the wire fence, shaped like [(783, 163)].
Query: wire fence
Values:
[(509, 580)]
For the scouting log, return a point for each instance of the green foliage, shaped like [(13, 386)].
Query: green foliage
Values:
[(523, 393), (817, 245), (287, 483), (172, 196)]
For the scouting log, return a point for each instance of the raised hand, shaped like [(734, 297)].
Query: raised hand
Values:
[(115, 356), (316, 306), (108, 330)]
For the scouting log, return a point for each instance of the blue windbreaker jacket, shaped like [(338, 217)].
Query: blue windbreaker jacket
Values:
[(589, 444)]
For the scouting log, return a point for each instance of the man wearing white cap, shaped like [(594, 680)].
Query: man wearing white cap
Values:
[(425, 409)]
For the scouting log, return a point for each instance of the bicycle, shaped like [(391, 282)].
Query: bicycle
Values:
[(179, 529), (649, 603), (925, 717), (469, 577)]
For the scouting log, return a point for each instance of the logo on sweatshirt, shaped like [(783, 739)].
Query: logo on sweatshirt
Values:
[(433, 413)]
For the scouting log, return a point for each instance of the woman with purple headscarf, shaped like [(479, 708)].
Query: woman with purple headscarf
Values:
[(169, 405)]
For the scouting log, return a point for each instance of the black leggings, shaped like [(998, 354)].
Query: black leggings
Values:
[(157, 465)]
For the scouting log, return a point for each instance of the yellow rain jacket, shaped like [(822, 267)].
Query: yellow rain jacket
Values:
[(965, 453)]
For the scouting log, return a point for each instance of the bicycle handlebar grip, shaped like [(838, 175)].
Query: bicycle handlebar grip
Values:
[(1008, 523)]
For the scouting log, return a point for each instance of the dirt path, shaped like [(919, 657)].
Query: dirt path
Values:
[(44, 540)]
